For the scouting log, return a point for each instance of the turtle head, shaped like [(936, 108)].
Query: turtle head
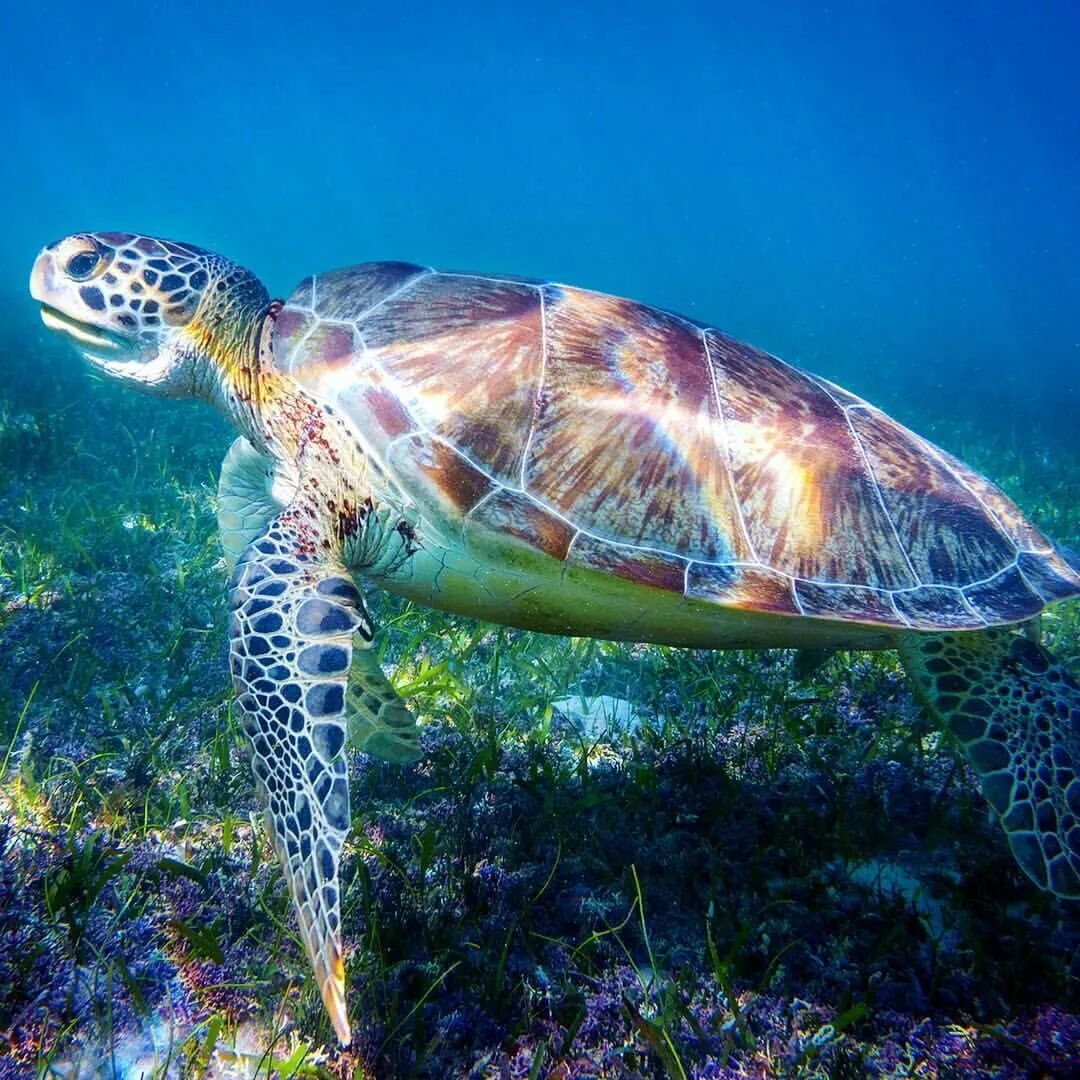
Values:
[(167, 318)]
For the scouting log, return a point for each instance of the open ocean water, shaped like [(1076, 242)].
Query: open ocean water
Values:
[(613, 861)]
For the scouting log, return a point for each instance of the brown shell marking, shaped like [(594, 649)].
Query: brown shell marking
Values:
[(653, 568), (619, 438), (467, 365), (751, 587), (513, 513), (423, 463)]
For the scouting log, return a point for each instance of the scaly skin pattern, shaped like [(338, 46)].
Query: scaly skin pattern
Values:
[(556, 459), (1015, 712), (297, 617)]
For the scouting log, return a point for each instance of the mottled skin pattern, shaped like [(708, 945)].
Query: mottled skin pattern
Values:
[(566, 461), (1028, 768)]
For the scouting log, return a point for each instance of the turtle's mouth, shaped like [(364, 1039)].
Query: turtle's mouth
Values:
[(94, 341), (135, 359)]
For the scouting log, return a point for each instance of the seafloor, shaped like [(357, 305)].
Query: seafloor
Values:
[(613, 861)]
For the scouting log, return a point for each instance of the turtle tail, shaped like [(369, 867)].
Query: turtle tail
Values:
[(1016, 713)]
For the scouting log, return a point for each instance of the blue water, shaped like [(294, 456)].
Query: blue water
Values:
[(888, 194)]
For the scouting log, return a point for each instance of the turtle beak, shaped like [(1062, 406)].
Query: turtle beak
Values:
[(89, 339)]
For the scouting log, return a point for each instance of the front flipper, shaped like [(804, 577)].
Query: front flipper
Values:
[(245, 503), (1016, 713), (291, 639), (379, 722)]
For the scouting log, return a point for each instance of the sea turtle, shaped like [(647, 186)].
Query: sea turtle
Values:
[(565, 461)]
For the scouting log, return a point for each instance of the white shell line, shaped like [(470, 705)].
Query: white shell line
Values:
[(710, 366), (425, 272), (537, 398), (865, 459)]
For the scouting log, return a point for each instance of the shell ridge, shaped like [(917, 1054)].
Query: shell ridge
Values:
[(970, 607), (710, 366), (1014, 565), (850, 587), (516, 497), (957, 590), (555, 512), (539, 394), (982, 618), (795, 595), (629, 545), (802, 483), (425, 272), (420, 430), (483, 499), (899, 614), (1046, 598), (435, 437), (310, 306), (304, 338), (495, 279), (868, 469)]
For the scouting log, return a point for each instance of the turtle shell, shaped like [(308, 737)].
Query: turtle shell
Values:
[(620, 438)]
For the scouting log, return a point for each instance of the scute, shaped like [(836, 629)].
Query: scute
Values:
[(627, 441), (608, 435), (466, 355), (946, 531)]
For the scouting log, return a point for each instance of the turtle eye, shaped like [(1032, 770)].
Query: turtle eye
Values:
[(82, 264)]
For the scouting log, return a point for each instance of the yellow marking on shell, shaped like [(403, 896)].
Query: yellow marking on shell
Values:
[(718, 498), (794, 488), (794, 499), (438, 407), (440, 401), (694, 437)]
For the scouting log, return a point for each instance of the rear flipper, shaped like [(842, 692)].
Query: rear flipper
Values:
[(1016, 713)]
